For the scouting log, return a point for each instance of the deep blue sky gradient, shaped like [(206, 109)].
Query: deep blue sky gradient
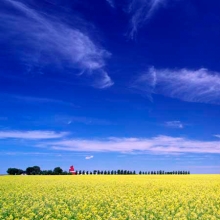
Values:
[(135, 84)]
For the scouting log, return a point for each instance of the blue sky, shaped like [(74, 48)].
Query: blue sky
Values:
[(110, 84)]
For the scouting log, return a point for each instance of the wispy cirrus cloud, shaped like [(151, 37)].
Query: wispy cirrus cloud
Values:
[(62, 141), (34, 135), (37, 154), (16, 153), (43, 39), (174, 124), (34, 100), (155, 145), (89, 157), (87, 120), (141, 11), (111, 3), (202, 85)]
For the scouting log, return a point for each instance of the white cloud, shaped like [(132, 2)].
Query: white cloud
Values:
[(111, 3), (217, 135), (31, 99), (104, 81), (88, 157), (141, 11), (156, 145), (32, 134), (51, 40), (87, 120), (46, 154), (174, 124), (200, 85)]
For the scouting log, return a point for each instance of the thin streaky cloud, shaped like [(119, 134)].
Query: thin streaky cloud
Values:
[(31, 134), (111, 3), (217, 135), (174, 124), (86, 120), (141, 11), (89, 157), (156, 145), (51, 40), (103, 82), (31, 99), (201, 86), (145, 83), (16, 153)]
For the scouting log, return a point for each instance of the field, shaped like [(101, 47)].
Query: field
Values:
[(110, 197)]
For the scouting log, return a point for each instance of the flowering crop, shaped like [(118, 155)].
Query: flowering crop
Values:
[(110, 197)]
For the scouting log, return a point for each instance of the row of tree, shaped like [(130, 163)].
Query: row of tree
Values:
[(36, 170), (127, 172)]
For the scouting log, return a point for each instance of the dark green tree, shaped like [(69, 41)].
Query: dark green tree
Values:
[(64, 173), (43, 172), (30, 171), (37, 170), (57, 171), (14, 171), (49, 172)]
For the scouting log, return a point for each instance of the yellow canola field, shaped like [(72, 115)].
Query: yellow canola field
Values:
[(110, 197)]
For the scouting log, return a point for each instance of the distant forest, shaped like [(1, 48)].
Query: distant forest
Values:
[(36, 170)]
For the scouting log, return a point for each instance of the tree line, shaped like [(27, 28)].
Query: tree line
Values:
[(127, 172), (36, 170)]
